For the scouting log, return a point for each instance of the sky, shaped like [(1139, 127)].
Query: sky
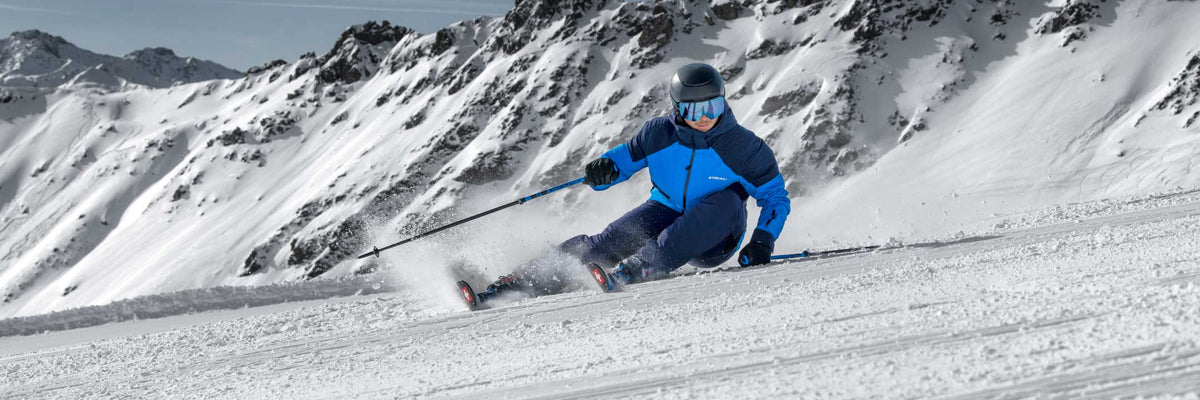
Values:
[(235, 33)]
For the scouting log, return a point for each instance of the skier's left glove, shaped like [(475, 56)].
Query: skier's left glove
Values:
[(758, 251), (602, 171)]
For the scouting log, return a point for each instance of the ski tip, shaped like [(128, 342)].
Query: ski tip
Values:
[(468, 295), (602, 280)]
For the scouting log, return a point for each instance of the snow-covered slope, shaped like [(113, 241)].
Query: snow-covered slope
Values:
[(1095, 300), (35, 59), (873, 108)]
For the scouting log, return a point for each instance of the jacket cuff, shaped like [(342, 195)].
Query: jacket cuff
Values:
[(764, 237)]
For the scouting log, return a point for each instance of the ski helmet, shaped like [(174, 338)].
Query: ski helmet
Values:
[(697, 90)]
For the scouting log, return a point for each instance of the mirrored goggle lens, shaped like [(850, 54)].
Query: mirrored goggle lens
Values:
[(712, 108)]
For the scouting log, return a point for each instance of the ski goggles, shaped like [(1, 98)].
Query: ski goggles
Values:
[(711, 108)]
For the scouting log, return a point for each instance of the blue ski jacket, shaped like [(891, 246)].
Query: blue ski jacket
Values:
[(686, 165)]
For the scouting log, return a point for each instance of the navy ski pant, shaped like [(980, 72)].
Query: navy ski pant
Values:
[(706, 235)]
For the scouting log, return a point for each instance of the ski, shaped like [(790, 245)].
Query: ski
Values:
[(605, 283), (477, 300), (823, 253)]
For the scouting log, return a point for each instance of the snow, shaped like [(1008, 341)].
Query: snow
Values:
[(1097, 299)]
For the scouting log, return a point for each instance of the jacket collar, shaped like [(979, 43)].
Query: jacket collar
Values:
[(700, 140)]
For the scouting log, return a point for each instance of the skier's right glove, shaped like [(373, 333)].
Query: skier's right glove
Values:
[(758, 251), (602, 171)]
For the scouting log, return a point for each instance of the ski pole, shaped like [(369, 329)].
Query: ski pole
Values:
[(375, 250), (807, 254)]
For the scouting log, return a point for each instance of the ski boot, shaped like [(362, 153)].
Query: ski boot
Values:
[(634, 270), (503, 284)]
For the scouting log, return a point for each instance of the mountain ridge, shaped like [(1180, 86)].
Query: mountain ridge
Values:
[(33, 58)]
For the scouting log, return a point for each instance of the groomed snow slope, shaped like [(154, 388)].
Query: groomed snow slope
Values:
[(1097, 299)]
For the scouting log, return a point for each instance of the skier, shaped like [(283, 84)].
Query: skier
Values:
[(703, 167)]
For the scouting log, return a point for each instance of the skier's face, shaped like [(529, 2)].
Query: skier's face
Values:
[(703, 125)]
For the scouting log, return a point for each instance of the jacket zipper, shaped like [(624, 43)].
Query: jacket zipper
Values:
[(688, 179)]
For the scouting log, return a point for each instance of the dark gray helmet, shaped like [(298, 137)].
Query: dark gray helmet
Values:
[(696, 82)]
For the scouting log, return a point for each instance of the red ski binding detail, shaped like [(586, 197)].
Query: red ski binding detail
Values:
[(468, 295), (600, 277)]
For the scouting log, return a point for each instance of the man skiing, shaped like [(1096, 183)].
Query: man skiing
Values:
[(703, 167)]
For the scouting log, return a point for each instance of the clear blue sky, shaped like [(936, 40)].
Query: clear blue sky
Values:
[(236, 33)]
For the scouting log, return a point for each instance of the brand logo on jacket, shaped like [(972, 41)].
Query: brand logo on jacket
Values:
[(718, 178)]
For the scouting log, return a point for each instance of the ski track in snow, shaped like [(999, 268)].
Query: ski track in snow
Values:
[(1097, 299)]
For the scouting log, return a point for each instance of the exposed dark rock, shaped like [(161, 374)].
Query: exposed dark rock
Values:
[(528, 16), (839, 140), (790, 102), (1075, 12), (266, 67), (486, 168), (655, 98), (325, 250), (728, 10), (339, 118), (453, 140), (656, 32), (256, 157), (415, 120), (357, 53), (442, 41), (306, 63), (869, 20), (230, 138), (769, 48), (275, 124), (463, 76), (616, 97), (1185, 90), (262, 256), (731, 72), (520, 65), (424, 83), (180, 193)]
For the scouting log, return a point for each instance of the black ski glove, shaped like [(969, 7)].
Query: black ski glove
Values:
[(601, 172), (758, 251)]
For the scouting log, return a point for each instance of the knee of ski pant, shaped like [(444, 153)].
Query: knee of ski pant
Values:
[(575, 246), (590, 249), (716, 256)]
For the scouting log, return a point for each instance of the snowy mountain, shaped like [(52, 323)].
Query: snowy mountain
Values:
[(35, 59), (889, 118)]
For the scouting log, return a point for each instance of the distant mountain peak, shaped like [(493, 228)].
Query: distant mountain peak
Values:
[(34, 58), (34, 40), (151, 51), (359, 51)]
